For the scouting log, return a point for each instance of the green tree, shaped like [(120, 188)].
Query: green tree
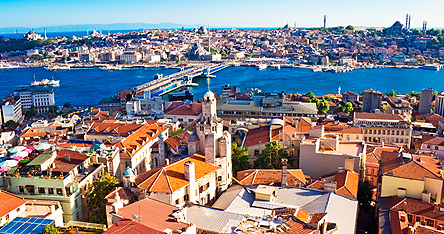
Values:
[(365, 196), (271, 157), (11, 124), (96, 197), (239, 158), (350, 27), (348, 107), (414, 94), (323, 106), (177, 132), (176, 59), (392, 93), (31, 113), (67, 105), (49, 229), (310, 94)]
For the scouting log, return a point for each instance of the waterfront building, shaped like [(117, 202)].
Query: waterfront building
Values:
[(42, 98), (152, 58), (130, 57), (264, 105), (388, 128), (11, 109), (350, 97), (371, 100), (87, 57), (425, 101)]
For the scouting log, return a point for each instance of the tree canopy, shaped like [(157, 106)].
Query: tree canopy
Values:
[(365, 196), (271, 157), (392, 93), (96, 198), (239, 158), (310, 94), (49, 229)]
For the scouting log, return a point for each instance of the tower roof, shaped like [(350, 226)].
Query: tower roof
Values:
[(128, 172), (209, 96)]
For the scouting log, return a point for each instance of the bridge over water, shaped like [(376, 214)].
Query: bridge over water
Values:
[(164, 85)]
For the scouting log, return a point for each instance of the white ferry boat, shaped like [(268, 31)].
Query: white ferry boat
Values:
[(46, 82), (431, 67), (261, 66), (57, 67), (111, 68)]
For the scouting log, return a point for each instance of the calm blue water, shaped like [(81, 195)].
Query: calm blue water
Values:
[(89, 86)]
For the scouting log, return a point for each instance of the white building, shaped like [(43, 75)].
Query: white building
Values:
[(11, 109), (131, 57), (152, 58), (43, 99)]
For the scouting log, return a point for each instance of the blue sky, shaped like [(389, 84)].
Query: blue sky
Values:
[(231, 13)]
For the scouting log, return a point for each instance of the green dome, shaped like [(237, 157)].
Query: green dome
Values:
[(129, 172)]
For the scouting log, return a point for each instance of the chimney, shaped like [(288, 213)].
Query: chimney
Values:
[(167, 161), (330, 186), (189, 174), (404, 206), (67, 158), (284, 172), (52, 209)]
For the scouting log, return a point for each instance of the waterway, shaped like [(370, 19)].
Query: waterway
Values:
[(88, 86)]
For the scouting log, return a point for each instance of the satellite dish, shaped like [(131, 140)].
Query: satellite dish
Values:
[(134, 217)]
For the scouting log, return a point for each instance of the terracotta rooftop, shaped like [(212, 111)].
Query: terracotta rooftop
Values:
[(417, 207), (297, 228), (346, 183), (113, 129), (180, 108), (416, 169), (43, 131), (255, 177), (377, 116), (169, 178), (177, 140), (261, 135), (124, 226), (154, 214), (124, 193), (9, 202), (62, 164), (435, 141)]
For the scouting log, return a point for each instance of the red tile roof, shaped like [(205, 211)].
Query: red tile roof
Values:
[(62, 164), (381, 116), (255, 177), (177, 140), (169, 178), (179, 108), (261, 135), (124, 193), (113, 129), (414, 169), (435, 141), (154, 214), (297, 228), (9, 202), (124, 226), (346, 183), (40, 131), (417, 207)]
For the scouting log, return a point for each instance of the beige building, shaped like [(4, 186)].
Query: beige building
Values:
[(389, 128), (323, 153)]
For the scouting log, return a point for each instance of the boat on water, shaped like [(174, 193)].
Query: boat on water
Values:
[(8, 66), (158, 76), (275, 67), (431, 67), (111, 68), (317, 69), (57, 68), (46, 82), (261, 66)]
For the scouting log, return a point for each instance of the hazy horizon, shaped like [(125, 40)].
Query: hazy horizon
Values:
[(220, 14)]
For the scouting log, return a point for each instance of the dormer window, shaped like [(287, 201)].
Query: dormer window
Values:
[(94, 130), (114, 131), (106, 131)]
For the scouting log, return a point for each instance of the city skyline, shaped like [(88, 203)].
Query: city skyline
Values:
[(33, 13)]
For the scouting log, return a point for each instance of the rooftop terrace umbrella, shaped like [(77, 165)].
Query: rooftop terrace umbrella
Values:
[(8, 163), (16, 149), (43, 146), (21, 154), (29, 149), (17, 158), (5, 169), (95, 146)]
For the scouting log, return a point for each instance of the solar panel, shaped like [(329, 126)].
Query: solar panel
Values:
[(21, 225)]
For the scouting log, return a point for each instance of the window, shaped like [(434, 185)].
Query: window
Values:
[(379, 132), (373, 171), (428, 146), (256, 152), (18, 210), (436, 147), (430, 223), (178, 201), (371, 181), (418, 219), (383, 132), (59, 192), (410, 218), (76, 203), (7, 217), (370, 131), (190, 120), (357, 137), (186, 197), (365, 131), (402, 140), (22, 190), (397, 132), (402, 133), (180, 119), (219, 178), (41, 190), (365, 138)]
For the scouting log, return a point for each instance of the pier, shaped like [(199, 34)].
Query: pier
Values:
[(179, 79)]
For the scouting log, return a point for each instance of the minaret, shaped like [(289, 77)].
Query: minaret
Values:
[(325, 21), (87, 31), (410, 17), (17, 33), (407, 21), (339, 90), (45, 33)]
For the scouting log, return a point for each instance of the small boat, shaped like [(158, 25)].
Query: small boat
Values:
[(317, 69), (57, 68), (431, 67), (111, 68), (261, 66), (46, 82), (275, 67)]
